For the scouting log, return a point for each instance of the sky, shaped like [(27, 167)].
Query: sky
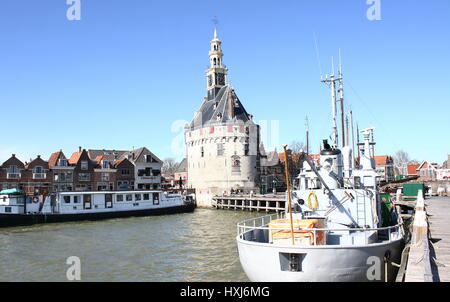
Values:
[(132, 73)]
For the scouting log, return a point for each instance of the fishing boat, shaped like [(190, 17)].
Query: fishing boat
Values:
[(336, 228), (17, 209)]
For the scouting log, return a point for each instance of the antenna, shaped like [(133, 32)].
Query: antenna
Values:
[(317, 54), (341, 97), (307, 134), (330, 80)]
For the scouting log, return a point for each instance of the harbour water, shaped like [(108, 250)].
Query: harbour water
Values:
[(200, 246)]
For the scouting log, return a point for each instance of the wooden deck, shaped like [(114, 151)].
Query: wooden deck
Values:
[(438, 210), (429, 255)]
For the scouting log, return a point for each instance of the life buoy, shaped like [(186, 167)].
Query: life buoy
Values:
[(316, 202), (35, 199)]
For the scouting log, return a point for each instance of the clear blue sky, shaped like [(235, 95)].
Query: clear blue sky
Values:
[(123, 74)]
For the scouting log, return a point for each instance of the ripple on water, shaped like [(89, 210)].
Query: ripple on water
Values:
[(186, 247)]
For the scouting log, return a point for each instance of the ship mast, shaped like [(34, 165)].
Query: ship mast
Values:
[(330, 81), (341, 98)]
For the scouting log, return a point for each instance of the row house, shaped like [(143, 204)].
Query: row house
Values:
[(83, 173), (138, 169), (427, 171), (93, 170), (34, 177), (384, 167), (62, 172)]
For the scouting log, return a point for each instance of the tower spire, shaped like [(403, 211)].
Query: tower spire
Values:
[(217, 73)]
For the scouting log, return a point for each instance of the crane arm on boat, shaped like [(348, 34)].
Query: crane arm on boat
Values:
[(333, 198)]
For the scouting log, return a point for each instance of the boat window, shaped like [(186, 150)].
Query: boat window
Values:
[(291, 262), (66, 199), (87, 199), (129, 197), (76, 199), (108, 197), (137, 196), (146, 196), (156, 198), (357, 182), (119, 198)]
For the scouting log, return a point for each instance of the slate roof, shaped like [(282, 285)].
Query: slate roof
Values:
[(182, 167), (226, 106)]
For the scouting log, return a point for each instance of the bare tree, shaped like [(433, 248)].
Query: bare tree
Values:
[(401, 158), (297, 146), (169, 166)]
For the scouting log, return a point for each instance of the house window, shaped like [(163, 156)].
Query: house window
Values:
[(38, 169), (84, 176), (105, 176), (202, 151), (84, 165), (13, 169), (62, 163), (105, 164), (125, 171)]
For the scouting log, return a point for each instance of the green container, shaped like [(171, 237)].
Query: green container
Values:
[(386, 209), (412, 190)]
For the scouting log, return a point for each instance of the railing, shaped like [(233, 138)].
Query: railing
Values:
[(261, 223), (39, 175), (13, 175)]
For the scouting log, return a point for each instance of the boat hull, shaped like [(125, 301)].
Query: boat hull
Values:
[(10, 220), (262, 262)]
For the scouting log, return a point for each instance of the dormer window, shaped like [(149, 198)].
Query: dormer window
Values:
[(84, 165), (62, 163), (105, 164)]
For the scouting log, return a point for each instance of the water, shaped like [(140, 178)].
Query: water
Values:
[(192, 247)]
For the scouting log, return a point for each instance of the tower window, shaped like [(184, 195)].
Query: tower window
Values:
[(220, 150), (246, 149)]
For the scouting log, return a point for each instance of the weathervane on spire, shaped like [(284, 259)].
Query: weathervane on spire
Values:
[(215, 20)]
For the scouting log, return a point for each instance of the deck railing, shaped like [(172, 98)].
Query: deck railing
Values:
[(261, 223)]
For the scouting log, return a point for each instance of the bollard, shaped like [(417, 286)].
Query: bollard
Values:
[(399, 195), (420, 205), (420, 228)]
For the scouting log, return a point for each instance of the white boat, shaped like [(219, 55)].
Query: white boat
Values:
[(18, 209), (339, 232), (335, 229)]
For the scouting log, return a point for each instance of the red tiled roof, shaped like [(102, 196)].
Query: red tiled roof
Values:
[(53, 160), (412, 169), (75, 158), (382, 160), (294, 156)]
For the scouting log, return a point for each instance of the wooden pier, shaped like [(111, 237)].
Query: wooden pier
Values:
[(258, 203), (429, 255)]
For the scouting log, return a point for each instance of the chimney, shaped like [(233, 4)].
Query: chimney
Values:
[(79, 149), (38, 156), (13, 155), (133, 156)]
